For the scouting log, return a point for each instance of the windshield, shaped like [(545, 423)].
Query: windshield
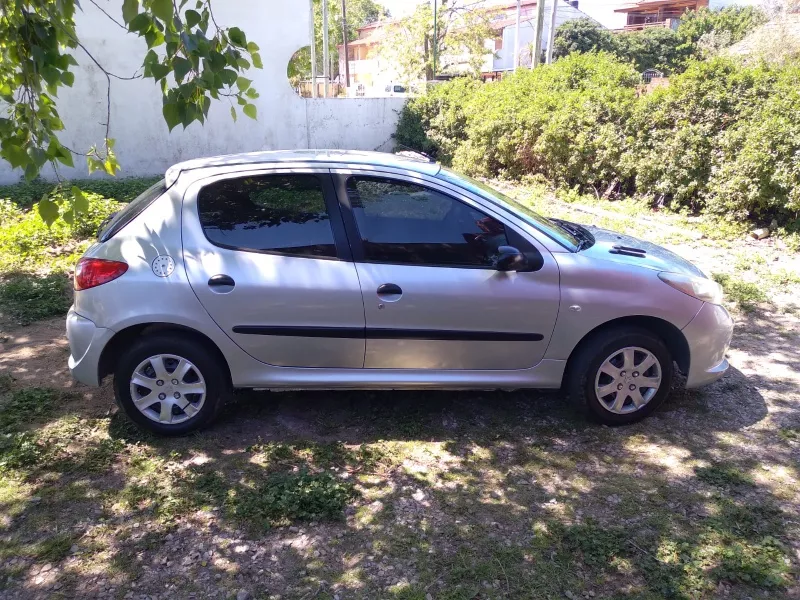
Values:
[(546, 226)]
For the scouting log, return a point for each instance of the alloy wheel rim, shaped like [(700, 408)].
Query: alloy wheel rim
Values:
[(627, 380), (168, 389)]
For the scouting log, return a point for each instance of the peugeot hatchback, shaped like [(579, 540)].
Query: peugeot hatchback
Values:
[(359, 270)]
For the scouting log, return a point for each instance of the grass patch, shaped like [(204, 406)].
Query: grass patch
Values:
[(25, 298), (301, 496), (721, 476), (745, 294), (26, 405)]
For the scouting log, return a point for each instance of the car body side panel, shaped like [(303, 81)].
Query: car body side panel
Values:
[(594, 292), (275, 291)]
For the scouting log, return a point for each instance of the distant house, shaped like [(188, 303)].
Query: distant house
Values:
[(369, 69), (658, 13), (505, 25)]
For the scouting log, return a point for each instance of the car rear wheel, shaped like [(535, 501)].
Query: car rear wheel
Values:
[(622, 375), (169, 384)]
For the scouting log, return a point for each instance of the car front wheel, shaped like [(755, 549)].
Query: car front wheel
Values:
[(169, 384), (622, 375)]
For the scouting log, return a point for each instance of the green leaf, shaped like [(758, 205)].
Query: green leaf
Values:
[(257, 60), (130, 8), (162, 9), (37, 155), (237, 37), (68, 216), (15, 155), (250, 111), (94, 164), (154, 38), (158, 71), (171, 115), (252, 47), (228, 77), (233, 114), (80, 203), (140, 23), (67, 78), (180, 66), (48, 210), (243, 83), (64, 156), (192, 18)]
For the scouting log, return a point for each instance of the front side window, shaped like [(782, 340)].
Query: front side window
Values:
[(282, 214), (405, 223)]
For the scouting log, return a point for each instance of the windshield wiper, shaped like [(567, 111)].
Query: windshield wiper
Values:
[(585, 239)]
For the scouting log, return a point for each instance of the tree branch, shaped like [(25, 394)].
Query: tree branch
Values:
[(102, 10)]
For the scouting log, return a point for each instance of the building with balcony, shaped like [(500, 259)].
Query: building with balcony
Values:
[(658, 13)]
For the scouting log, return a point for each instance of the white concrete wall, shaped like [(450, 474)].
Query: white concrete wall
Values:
[(145, 146)]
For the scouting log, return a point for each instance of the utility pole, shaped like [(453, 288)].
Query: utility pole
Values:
[(313, 52), (516, 35), (551, 34), (537, 38), (435, 35), (326, 64), (346, 52)]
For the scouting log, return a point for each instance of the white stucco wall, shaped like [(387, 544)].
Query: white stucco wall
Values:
[(145, 146)]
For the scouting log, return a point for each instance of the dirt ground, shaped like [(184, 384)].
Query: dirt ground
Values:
[(449, 495)]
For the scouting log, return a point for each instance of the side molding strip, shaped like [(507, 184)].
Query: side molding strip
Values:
[(389, 334)]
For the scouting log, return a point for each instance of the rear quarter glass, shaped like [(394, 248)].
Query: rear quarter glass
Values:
[(131, 211)]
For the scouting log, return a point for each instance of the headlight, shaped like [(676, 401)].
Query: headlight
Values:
[(701, 288)]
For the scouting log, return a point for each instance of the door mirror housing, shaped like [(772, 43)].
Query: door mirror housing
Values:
[(510, 259)]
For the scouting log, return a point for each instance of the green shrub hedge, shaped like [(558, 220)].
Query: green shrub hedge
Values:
[(721, 137)]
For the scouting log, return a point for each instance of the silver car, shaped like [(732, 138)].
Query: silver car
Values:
[(359, 270)]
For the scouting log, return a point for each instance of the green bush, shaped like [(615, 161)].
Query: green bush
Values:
[(722, 137), (26, 242), (434, 123), (27, 193), (563, 121)]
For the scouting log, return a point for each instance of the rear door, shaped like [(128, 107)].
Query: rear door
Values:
[(267, 256), (432, 298)]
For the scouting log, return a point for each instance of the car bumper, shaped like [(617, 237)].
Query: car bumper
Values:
[(86, 343), (709, 336)]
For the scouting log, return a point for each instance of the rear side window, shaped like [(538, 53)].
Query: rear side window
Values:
[(405, 223), (130, 212), (279, 214)]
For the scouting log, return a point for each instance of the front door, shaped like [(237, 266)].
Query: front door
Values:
[(432, 299), (267, 256)]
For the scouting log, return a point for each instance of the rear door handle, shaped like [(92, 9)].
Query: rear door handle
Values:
[(389, 289), (389, 292), (221, 282)]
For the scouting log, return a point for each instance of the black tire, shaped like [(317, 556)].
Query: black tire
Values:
[(590, 356), (216, 381)]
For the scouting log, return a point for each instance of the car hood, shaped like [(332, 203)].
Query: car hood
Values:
[(626, 249)]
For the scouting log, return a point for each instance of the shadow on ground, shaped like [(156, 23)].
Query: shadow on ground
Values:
[(405, 494)]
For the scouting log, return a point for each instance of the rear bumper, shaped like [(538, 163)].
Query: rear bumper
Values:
[(709, 336), (86, 343)]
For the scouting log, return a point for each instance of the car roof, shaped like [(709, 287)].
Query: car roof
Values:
[(407, 161)]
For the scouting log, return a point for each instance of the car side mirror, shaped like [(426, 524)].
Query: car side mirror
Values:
[(510, 259)]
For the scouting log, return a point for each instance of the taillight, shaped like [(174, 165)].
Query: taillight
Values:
[(91, 272)]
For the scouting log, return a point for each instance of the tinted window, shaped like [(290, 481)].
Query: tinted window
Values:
[(119, 219), (399, 88), (271, 213), (406, 223)]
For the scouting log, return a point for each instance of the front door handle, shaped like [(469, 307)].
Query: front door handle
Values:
[(221, 283), (390, 292)]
